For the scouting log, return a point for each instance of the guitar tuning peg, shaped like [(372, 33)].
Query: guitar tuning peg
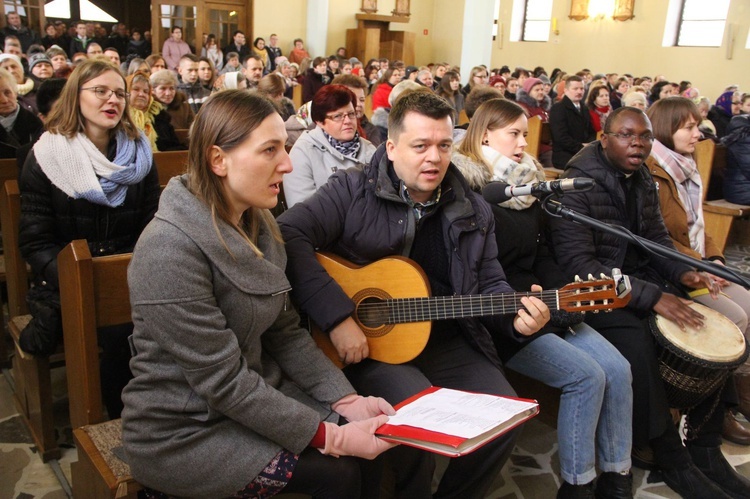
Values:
[(596, 311), (591, 277), (577, 279), (602, 275)]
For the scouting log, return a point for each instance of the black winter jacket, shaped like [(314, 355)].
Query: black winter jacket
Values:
[(359, 215), (737, 174), (582, 251), (24, 130), (50, 219)]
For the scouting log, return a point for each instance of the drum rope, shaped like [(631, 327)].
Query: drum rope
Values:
[(692, 432)]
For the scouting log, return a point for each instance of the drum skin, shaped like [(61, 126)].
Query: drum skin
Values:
[(696, 362)]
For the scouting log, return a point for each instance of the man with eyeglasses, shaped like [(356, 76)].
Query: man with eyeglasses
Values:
[(570, 123), (411, 201), (626, 195)]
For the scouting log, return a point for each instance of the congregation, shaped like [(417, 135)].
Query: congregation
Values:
[(290, 153)]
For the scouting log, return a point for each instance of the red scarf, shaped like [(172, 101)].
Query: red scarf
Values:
[(599, 117)]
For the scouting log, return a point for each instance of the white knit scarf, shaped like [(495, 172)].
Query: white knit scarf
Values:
[(80, 170), (512, 173)]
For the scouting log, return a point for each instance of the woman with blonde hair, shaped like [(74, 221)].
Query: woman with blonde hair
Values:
[(221, 365), (149, 116), (594, 419), (19, 125), (273, 86), (478, 77), (90, 176)]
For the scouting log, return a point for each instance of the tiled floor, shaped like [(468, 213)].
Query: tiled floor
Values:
[(531, 472)]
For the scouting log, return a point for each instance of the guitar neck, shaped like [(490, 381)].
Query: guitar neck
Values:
[(402, 310)]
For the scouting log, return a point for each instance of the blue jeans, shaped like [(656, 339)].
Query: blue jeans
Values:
[(596, 401)]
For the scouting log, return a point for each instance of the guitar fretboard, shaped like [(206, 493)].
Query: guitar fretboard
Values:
[(401, 310)]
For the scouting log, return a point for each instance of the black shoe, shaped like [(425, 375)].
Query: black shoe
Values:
[(569, 491), (712, 463), (690, 483), (612, 485), (643, 458)]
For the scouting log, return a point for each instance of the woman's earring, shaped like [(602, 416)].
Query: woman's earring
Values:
[(485, 142)]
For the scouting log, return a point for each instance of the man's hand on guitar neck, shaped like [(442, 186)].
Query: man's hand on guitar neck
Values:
[(350, 342), (534, 317)]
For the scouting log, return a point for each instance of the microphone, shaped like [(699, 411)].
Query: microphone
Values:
[(498, 192)]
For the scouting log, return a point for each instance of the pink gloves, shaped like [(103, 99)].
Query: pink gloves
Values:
[(356, 438), (356, 407)]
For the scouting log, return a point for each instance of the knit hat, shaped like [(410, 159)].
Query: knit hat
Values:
[(529, 84), (12, 57), (545, 79), (497, 79), (410, 70), (37, 58)]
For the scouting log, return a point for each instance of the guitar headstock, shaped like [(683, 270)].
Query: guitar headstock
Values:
[(605, 293)]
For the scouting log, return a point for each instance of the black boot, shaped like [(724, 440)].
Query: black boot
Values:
[(690, 483), (612, 485), (569, 491), (712, 463)]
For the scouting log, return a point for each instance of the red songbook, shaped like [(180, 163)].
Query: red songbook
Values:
[(455, 422)]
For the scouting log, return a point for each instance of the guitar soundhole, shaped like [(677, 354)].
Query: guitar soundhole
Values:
[(372, 312)]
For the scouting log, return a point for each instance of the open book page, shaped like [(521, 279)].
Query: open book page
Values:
[(459, 413)]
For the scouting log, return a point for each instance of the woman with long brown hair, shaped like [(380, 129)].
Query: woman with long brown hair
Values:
[(230, 396)]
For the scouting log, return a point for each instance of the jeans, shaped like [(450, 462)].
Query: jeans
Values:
[(596, 401)]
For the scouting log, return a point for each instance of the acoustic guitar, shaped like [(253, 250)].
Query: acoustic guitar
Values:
[(394, 307)]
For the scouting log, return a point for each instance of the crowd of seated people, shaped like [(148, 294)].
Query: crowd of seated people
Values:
[(350, 161)]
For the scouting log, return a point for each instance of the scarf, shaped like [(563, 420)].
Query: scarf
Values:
[(7, 122), (724, 102), (512, 173), (80, 170), (684, 172), (25, 87), (144, 120), (599, 117), (349, 148), (262, 53)]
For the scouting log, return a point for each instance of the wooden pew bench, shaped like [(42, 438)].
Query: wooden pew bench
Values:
[(719, 214), (93, 294), (31, 375), (170, 164)]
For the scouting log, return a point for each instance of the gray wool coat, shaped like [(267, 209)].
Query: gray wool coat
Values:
[(224, 378), (314, 160)]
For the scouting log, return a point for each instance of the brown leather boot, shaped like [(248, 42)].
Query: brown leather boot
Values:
[(742, 382), (734, 431)]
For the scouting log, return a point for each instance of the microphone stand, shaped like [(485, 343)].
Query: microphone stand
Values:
[(556, 209)]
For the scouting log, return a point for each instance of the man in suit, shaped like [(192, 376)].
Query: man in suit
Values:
[(239, 45), (570, 123)]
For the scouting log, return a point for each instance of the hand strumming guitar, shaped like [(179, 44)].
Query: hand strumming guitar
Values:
[(534, 317), (350, 342)]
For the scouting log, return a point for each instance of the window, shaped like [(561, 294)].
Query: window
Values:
[(178, 15), (537, 19), (28, 10), (701, 23)]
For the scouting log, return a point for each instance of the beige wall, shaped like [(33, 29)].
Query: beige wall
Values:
[(631, 47), (605, 46), (286, 18)]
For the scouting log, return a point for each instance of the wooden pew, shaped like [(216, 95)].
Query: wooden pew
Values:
[(183, 135), (8, 171), (31, 375), (297, 96), (93, 294), (170, 164), (537, 135), (718, 214)]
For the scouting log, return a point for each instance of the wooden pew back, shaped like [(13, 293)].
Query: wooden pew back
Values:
[(93, 294), (170, 164), (534, 137), (15, 266)]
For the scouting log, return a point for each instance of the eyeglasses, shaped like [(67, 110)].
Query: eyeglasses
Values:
[(631, 137), (339, 117), (105, 93), (736, 103)]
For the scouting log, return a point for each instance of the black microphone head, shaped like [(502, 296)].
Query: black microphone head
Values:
[(583, 184), (494, 192)]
